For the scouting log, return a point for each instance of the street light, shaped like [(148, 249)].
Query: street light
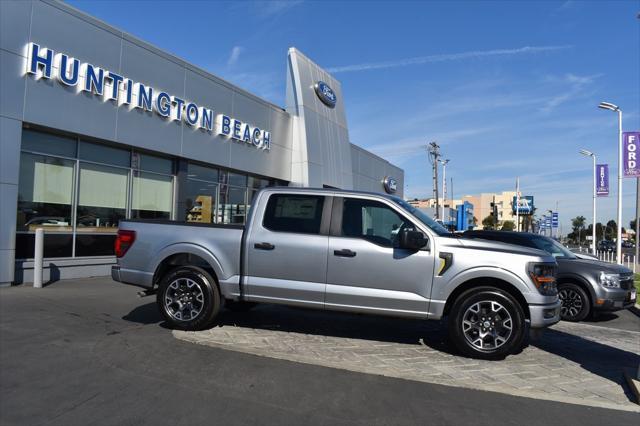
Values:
[(593, 233), (615, 108), (444, 185)]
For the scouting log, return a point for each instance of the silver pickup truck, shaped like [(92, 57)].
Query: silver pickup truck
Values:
[(347, 251)]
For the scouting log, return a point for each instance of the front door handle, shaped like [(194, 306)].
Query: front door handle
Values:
[(344, 253), (264, 246)]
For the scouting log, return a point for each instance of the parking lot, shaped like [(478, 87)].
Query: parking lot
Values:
[(89, 351), (572, 362)]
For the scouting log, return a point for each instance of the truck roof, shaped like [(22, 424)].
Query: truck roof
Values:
[(328, 190)]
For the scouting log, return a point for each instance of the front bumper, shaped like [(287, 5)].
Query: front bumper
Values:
[(615, 299), (544, 315)]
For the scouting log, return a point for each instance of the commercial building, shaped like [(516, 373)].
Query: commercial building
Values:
[(460, 213), (483, 205), (97, 126)]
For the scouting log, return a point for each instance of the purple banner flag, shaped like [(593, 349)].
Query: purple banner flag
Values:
[(630, 153), (602, 180)]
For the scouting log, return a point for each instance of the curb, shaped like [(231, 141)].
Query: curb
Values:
[(634, 384)]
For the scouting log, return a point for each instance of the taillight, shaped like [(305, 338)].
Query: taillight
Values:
[(124, 240)]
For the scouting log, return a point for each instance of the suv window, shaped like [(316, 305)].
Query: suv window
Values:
[(372, 221), (294, 213)]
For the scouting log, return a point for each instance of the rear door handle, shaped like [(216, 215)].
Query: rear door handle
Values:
[(344, 253), (264, 246)]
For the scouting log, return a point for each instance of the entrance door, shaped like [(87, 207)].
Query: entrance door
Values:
[(367, 270)]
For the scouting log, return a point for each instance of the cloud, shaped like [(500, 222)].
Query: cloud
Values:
[(271, 9), (234, 55), (576, 86), (446, 57), (406, 148)]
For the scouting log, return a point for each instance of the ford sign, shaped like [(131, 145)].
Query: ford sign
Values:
[(390, 185), (326, 94)]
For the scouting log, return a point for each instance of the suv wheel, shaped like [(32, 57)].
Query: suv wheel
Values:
[(487, 323), (575, 302), (188, 298)]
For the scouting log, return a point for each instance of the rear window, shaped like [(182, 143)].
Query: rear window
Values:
[(294, 213)]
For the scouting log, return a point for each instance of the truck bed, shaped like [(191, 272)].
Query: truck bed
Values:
[(157, 240)]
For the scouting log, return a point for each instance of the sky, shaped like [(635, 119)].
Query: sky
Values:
[(507, 89)]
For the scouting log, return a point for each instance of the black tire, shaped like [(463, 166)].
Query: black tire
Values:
[(496, 341), (235, 306), (576, 305), (195, 298)]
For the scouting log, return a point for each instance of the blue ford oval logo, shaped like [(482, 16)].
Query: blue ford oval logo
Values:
[(326, 94), (390, 185)]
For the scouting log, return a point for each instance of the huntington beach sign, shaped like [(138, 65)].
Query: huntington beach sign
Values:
[(110, 86)]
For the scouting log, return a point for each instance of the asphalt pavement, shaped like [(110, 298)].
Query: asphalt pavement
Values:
[(89, 352)]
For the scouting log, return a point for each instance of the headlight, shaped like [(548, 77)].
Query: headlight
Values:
[(543, 276), (609, 280)]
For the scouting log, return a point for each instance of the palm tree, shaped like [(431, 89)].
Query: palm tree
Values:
[(578, 225)]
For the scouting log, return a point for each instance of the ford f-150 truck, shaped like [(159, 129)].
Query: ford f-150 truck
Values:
[(347, 251)]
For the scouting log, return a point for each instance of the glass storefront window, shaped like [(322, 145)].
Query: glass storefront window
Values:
[(48, 143), (236, 179), (102, 198), (45, 193), (208, 174), (152, 196), (258, 183), (152, 163), (80, 190), (105, 154), (232, 207), (201, 201)]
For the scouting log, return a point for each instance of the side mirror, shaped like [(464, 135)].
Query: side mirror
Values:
[(412, 240)]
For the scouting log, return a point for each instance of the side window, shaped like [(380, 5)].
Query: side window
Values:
[(294, 213), (372, 221)]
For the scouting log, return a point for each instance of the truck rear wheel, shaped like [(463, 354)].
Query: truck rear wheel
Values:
[(487, 323), (188, 298)]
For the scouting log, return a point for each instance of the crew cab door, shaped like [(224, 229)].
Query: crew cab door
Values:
[(366, 269), (286, 249)]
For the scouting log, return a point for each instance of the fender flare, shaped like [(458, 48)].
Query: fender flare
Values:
[(487, 272), (188, 248), (579, 280)]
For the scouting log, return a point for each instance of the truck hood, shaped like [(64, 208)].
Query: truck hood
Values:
[(586, 265), (497, 246)]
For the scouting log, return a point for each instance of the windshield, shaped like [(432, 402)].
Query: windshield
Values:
[(552, 247), (422, 217)]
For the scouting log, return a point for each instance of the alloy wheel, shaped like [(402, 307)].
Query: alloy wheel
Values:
[(184, 299), (572, 303), (487, 325)]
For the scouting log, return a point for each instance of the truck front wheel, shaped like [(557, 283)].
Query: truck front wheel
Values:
[(487, 323), (188, 298)]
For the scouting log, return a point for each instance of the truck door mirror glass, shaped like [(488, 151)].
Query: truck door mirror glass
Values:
[(412, 240)]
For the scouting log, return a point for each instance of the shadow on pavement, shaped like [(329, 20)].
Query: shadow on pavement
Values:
[(602, 317), (603, 360), (144, 314), (339, 324)]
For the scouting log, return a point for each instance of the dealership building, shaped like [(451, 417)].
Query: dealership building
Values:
[(97, 126)]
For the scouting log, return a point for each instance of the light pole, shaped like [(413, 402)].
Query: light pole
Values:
[(615, 108), (593, 233), (444, 185)]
